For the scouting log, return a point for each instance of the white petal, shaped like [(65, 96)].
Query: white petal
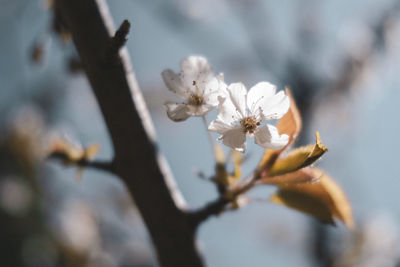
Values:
[(227, 111), (235, 138), (259, 94), (174, 83), (198, 110), (276, 107), (219, 126), (177, 111), (195, 68), (237, 93), (268, 137), (216, 87)]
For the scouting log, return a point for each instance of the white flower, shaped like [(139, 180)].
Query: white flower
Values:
[(242, 113), (197, 85)]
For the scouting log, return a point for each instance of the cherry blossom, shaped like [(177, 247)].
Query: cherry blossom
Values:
[(197, 85), (242, 113)]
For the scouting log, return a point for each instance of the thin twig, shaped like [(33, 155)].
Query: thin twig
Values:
[(99, 165), (210, 138), (218, 206), (116, 43), (102, 165)]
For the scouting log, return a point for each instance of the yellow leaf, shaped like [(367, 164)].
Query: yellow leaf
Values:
[(304, 203), (298, 158), (268, 159), (91, 152), (219, 154), (222, 176), (237, 161), (70, 153), (305, 175), (324, 199)]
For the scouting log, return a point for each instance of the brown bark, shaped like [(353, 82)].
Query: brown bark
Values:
[(136, 160)]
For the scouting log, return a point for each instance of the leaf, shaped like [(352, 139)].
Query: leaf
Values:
[(324, 199), (222, 176), (289, 124), (70, 153), (305, 175), (299, 158), (237, 159), (91, 151), (219, 154)]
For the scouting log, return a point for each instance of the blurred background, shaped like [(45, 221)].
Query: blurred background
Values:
[(341, 59)]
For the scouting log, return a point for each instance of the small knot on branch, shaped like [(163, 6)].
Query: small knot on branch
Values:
[(117, 42), (121, 34)]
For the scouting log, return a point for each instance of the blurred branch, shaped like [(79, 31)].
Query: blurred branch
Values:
[(99, 165), (227, 197), (215, 207), (137, 161)]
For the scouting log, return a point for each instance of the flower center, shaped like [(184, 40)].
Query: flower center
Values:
[(249, 124), (196, 100)]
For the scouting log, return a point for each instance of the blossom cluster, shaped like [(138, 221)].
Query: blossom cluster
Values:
[(240, 112)]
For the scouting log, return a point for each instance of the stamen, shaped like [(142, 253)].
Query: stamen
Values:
[(196, 100), (249, 124), (197, 87), (252, 106)]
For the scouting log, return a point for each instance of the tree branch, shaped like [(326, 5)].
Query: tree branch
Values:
[(215, 207), (98, 165), (106, 166), (137, 162)]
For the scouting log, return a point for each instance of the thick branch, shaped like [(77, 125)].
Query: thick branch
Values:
[(137, 162)]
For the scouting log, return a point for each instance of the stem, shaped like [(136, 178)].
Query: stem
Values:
[(210, 138), (99, 165)]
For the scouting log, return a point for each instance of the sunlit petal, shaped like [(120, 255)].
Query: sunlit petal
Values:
[(237, 93), (259, 95), (268, 137), (235, 138)]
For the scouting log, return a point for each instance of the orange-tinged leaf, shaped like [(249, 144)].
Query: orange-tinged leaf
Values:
[(290, 123), (343, 209), (305, 175), (304, 203), (299, 158), (323, 199)]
